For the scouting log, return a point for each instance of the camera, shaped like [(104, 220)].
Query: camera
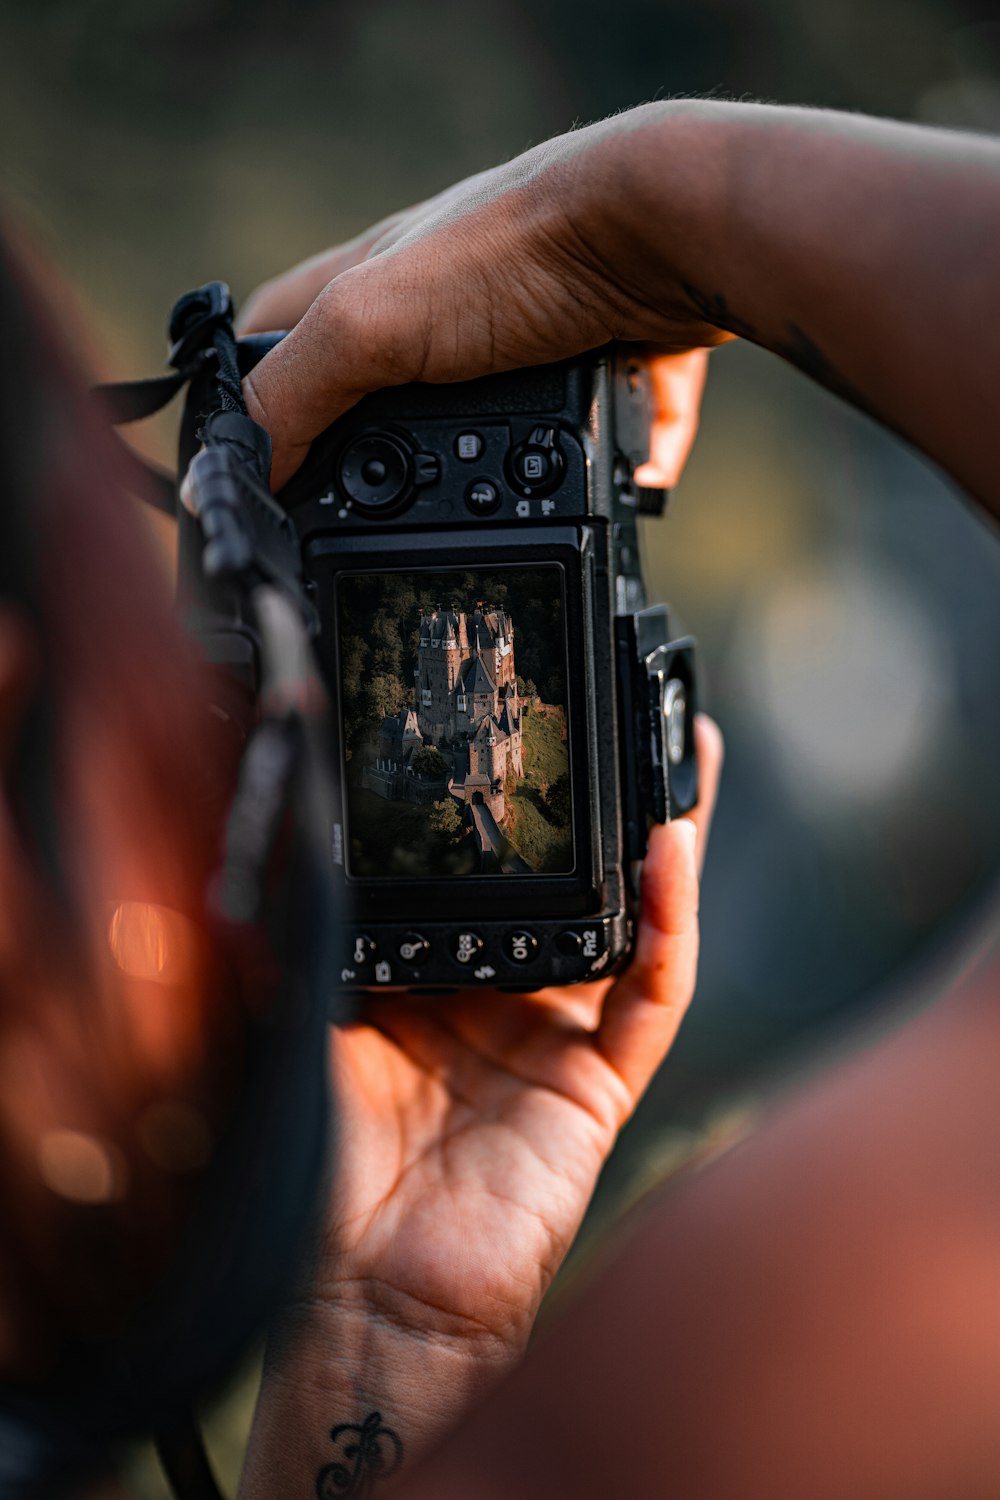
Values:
[(511, 715)]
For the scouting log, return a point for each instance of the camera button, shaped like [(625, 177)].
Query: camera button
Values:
[(426, 468), (468, 446), (585, 942), (414, 949), (466, 947), (520, 947), (537, 466), (375, 472), (533, 466), (482, 497), (363, 950)]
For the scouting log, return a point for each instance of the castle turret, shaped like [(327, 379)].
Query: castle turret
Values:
[(465, 677)]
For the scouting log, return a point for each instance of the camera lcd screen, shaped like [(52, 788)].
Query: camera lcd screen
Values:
[(453, 695)]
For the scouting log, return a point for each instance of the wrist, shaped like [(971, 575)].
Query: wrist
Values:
[(676, 169), (335, 1363), (641, 207)]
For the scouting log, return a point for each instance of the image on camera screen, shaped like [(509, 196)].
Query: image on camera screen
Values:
[(453, 710)]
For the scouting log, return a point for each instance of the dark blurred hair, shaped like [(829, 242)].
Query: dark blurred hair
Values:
[(121, 1032)]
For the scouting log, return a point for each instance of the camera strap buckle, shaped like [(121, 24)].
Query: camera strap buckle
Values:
[(248, 537), (194, 320)]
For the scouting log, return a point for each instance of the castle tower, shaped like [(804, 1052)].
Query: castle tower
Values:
[(465, 673)]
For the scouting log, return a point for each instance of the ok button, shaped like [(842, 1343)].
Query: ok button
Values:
[(520, 947)]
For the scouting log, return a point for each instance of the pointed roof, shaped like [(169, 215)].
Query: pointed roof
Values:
[(402, 723), (487, 625), (477, 679), (491, 726), (506, 721)]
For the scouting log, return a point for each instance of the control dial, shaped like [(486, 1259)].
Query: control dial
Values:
[(376, 472)]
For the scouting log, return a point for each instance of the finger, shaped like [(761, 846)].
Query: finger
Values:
[(311, 378), (390, 320), (280, 303), (678, 382), (645, 1008), (711, 752), (581, 1003)]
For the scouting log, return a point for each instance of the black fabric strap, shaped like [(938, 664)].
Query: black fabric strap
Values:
[(185, 1462), (201, 334), (200, 331), (131, 400)]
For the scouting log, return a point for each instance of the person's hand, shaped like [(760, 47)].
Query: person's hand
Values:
[(473, 1126), (534, 261), (471, 1132)]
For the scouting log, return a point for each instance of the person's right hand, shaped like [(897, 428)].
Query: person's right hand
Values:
[(537, 260)]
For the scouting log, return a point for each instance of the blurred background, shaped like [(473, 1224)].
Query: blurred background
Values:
[(847, 603)]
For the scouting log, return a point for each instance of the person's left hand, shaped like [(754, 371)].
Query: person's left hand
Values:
[(471, 1131), (473, 1126)]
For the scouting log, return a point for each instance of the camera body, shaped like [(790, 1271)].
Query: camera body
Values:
[(511, 715)]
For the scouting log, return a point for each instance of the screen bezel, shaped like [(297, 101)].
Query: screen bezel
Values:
[(330, 559)]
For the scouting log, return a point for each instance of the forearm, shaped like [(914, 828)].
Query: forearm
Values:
[(862, 250), (401, 1390)]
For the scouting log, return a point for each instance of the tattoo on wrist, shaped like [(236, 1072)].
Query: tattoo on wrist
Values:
[(715, 310), (366, 1452), (806, 355), (798, 348)]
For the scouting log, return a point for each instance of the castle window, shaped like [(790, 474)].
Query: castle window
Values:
[(426, 697), (462, 701)]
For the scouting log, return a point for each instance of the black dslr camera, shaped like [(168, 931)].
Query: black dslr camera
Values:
[(511, 714)]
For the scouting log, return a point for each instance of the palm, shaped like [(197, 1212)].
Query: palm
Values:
[(473, 1129)]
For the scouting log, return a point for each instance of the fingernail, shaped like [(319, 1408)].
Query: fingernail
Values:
[(690, 833)]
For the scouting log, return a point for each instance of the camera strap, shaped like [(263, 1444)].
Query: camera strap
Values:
[(249, 541), (249, 544)]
